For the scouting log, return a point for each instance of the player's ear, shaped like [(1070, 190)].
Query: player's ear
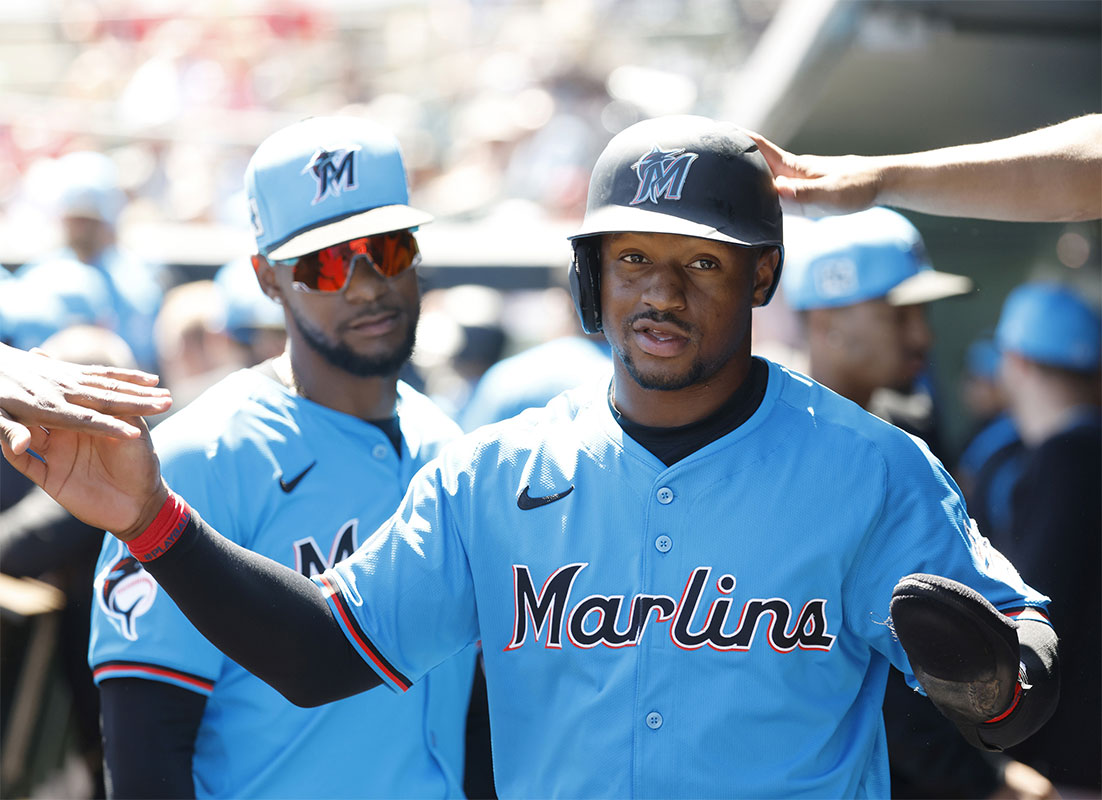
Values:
[(765, 268), (265, 276)]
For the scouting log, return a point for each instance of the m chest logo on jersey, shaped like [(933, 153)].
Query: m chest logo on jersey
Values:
[(662, 174), (308, 556), (550, 615), (125, 591)]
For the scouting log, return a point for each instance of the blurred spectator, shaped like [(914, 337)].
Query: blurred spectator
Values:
[(253, 320), (533, 376), (459, 337), (40, 539), (89, 203), (861, 283), (193, 347), (991, 461), (40, 303), (1050, 342)]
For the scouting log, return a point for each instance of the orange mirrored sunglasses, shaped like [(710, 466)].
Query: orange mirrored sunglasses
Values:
[(330, 269)]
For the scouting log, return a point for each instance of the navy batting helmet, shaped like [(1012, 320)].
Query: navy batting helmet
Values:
[(686, 175)]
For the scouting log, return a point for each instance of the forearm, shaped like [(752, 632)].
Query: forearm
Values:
[(149, 731), (1053, 174), (265, 616)]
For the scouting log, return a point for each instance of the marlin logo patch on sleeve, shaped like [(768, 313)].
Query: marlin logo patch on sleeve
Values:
[(662, 174), (125, 591), (334, 171)]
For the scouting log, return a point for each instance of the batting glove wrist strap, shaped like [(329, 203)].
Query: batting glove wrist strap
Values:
[(964, 653)]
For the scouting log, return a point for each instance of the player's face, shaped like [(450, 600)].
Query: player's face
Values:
[(676, 309), (367, 329), (881, 345)]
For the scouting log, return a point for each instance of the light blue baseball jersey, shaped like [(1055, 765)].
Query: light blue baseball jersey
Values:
[(716, 628), (304, 485)]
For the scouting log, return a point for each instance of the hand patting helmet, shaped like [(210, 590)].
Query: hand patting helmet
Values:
[(685, 175)]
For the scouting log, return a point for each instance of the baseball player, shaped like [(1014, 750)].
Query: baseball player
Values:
[(688, 583), (861, 283), (298, 459)]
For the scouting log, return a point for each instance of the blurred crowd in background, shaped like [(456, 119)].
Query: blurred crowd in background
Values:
[(126, 127)]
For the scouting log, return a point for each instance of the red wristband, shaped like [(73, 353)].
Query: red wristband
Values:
[(163, 532)]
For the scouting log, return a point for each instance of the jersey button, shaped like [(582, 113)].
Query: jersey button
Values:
[(654, 720), (663, 544), (379, 451), (665, 495)]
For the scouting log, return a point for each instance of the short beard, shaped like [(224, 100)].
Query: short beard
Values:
[(343, 358), (668, 383)]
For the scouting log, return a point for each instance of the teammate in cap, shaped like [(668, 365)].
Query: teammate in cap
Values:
[(688, 583), (861, 283), (1050, 338), (297, 459)]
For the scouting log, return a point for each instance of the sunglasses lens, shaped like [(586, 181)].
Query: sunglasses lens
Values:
[(329, 269)]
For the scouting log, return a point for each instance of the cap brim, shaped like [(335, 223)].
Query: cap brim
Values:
[(620, 219), (368, 223), (926, 286)]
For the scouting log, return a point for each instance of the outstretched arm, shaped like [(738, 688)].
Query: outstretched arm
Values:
[(1048, 175), (267, 617), (38, 390)]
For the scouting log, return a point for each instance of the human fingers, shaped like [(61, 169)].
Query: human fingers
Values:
[(132, 378), (25, 460), (14, 435)]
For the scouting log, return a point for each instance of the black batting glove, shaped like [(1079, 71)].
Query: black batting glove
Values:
[(964, 653)]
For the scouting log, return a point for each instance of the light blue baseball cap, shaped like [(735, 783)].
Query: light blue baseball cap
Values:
[(323, 181), (1051, 324), (844, 260), (88, 187)]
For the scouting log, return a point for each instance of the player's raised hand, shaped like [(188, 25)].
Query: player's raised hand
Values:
[(107, 482), (38, 390), (819, 185)]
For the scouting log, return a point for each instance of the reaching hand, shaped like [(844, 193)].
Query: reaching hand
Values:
[(111, 483), (818, 185), (38, 390)]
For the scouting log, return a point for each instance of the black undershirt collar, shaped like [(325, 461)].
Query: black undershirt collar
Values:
[(670, 445)]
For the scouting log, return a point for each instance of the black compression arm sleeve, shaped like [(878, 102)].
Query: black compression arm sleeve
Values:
[(265, 616), (149, 731)]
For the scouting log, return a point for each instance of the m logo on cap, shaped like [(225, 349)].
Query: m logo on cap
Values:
[(836, 278), (662, 173), (334, 170)]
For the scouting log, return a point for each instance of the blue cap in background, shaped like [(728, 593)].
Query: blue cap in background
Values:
[(88, 187), (247, 307), (1051, 324), (323, 181), (982, 358), (878, 253)]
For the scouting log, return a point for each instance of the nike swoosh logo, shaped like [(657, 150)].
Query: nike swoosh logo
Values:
[(527, 503), (289, 486)]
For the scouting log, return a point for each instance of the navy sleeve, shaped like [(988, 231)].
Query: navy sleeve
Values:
[(265, 616), (149, 730)]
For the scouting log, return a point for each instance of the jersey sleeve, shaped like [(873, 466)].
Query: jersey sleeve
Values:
[(406, 597), (137, 630), (923, 526)]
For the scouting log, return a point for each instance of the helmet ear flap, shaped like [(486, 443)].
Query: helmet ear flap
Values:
[(585, 282)]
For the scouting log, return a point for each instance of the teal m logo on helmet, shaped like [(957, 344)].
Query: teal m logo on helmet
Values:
[(662, 173)]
